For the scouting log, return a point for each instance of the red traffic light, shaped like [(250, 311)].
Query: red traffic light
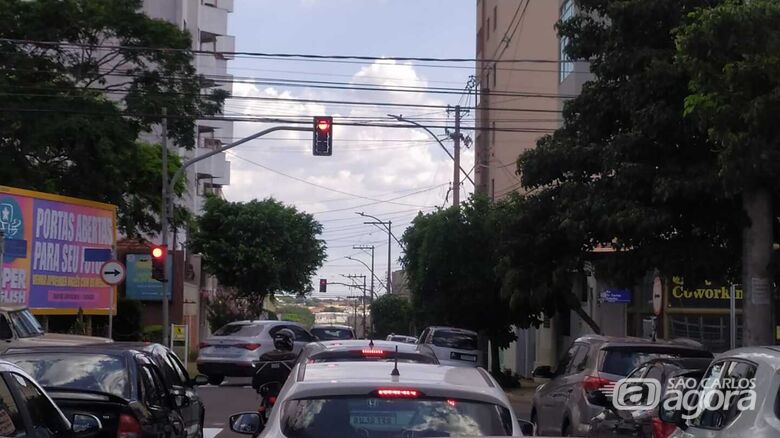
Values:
[(157, 252), (323, 125), (323, 285)]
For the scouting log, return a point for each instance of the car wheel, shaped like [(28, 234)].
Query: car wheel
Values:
[(216, 380)]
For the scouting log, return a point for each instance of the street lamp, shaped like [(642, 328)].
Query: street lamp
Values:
[(389, 226)]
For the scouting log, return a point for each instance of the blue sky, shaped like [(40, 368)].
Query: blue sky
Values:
[(374, 163)]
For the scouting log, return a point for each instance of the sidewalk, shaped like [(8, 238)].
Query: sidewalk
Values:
[(523, 394)]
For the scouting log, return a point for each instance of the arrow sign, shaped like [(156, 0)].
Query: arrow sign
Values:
[(112, 272)]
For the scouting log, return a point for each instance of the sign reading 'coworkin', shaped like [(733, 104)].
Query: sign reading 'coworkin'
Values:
[(710, 295)]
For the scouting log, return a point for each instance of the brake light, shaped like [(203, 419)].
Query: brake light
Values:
[(372, 352), (203, 345), (661, 429), (128, 427), (452, 403), (591, 383), (271, 399), (398, 393), (250, 347)]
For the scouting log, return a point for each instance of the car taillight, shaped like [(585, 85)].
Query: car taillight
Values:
[(398, 393), (128, 427), (372, 353), (592, 383), (203, 345), (271, 399), (661, 429), (250, 347)]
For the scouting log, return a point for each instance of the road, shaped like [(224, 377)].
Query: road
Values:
[(236, 395)]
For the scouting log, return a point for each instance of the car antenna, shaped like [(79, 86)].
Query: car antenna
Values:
[(371, 343), (395, 372)]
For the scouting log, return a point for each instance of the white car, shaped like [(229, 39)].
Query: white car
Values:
[(401, 338), (365, 399), (735, 414), (452, 346)]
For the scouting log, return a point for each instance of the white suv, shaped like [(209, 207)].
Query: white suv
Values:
[(452, 346), (365, 399)]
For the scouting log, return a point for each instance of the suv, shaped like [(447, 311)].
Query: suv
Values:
[(563, 406), (233, 350), (332, 332), (452, 346), (19, 328)]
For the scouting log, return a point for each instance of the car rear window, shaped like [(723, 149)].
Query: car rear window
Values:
[(72, 370), (240, 330), (621, 361), (371, 416), (332, 333), (370, 356), (458, 340)]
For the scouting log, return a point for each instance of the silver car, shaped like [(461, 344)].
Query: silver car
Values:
[(233, 350), (753, 412), (564, 405), (452, 346)]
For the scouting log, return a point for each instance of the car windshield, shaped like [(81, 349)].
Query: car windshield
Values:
[(240, 330), (621, 361), (79, 371), (332, 333), (391, 418), (25, 324), (458, 340)]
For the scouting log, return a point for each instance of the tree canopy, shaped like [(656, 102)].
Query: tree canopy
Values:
[(259, 248), (81, 80), (391, 314)]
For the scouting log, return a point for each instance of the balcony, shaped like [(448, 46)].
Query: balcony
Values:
[(213, 20), (221, 4), (226, 45)]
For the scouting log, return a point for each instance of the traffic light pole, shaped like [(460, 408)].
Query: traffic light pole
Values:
[(168, 186), (164, 229)]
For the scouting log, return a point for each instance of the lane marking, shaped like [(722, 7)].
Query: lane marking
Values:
[(211, 432)]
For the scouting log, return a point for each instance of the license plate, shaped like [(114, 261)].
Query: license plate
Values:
[(373, 420), (462, 356), (275, 366)]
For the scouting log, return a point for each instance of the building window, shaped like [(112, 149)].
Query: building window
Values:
[(566, 65), (495, 17)]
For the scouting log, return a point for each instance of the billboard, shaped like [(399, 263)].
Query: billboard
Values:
[(139, 284), (50, 242), (709, 295)]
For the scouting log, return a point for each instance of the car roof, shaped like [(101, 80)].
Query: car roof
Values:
[(340, 326), (105, 349), (362, 378), (452, 329), (147, 347), (628, 341), (351, 344), (769, 355), (690, 363), (11, 307)]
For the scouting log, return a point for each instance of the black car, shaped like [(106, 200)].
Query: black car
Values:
[(26, 410), (124, 388), (177, 381), (644, 423)]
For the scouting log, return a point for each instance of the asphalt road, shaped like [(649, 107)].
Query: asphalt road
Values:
[(236, 395)]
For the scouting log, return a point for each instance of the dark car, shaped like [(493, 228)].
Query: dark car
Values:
[(645, 423), (564, 405), (178, 383), (26, 410), (123, 387)]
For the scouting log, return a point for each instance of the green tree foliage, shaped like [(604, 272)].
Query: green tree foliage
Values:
[(391, 315), (81, 79), (296, 314), (732, 52), (128, 320), (259, 248), (450, 261)]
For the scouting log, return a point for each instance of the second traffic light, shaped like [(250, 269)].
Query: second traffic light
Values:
[(323, 285), (159, 255), (323, 136)]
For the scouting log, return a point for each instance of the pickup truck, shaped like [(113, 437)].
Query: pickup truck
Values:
[(19, 328)]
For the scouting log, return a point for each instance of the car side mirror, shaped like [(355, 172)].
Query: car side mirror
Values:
[(85, 424), (545, 372), (200, 380), (246, 423), (527, 428), (599, 398)]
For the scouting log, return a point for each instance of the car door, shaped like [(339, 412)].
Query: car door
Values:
[(192, 412), (11, 419), (638, 422), (571, 381), (166, 422), (44, 418), (550, 403)]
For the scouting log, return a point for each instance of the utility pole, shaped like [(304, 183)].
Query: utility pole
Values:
[(389, 257), (164, 228), (364, 299), (456, 157)]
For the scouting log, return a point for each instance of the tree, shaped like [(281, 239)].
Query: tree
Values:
[(298, 314), (81, 79), (391, 315), (731, 52), (259, 248), (450, 261), (626, 171)]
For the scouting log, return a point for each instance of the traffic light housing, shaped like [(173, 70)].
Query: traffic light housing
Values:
[(323, 285), (159, 256), (323, 136)]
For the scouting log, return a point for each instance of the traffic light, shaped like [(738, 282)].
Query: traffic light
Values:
[(323, 136), (159, 255), (323, 285)]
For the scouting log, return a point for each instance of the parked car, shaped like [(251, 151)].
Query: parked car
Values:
[(563, 405), (645, 423), (364, 399), (364, 351), (332, 332), (452, 346), (760, 417), (233, 350), (26, 410), (402, 338), (123, 387), (20, 328), (177, 382)]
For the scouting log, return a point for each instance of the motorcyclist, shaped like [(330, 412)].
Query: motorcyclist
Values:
[(275, 365)]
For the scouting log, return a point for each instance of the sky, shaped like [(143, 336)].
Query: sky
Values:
[(389, 173)]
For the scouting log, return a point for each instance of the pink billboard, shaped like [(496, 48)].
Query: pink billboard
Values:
[(47, 239)]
